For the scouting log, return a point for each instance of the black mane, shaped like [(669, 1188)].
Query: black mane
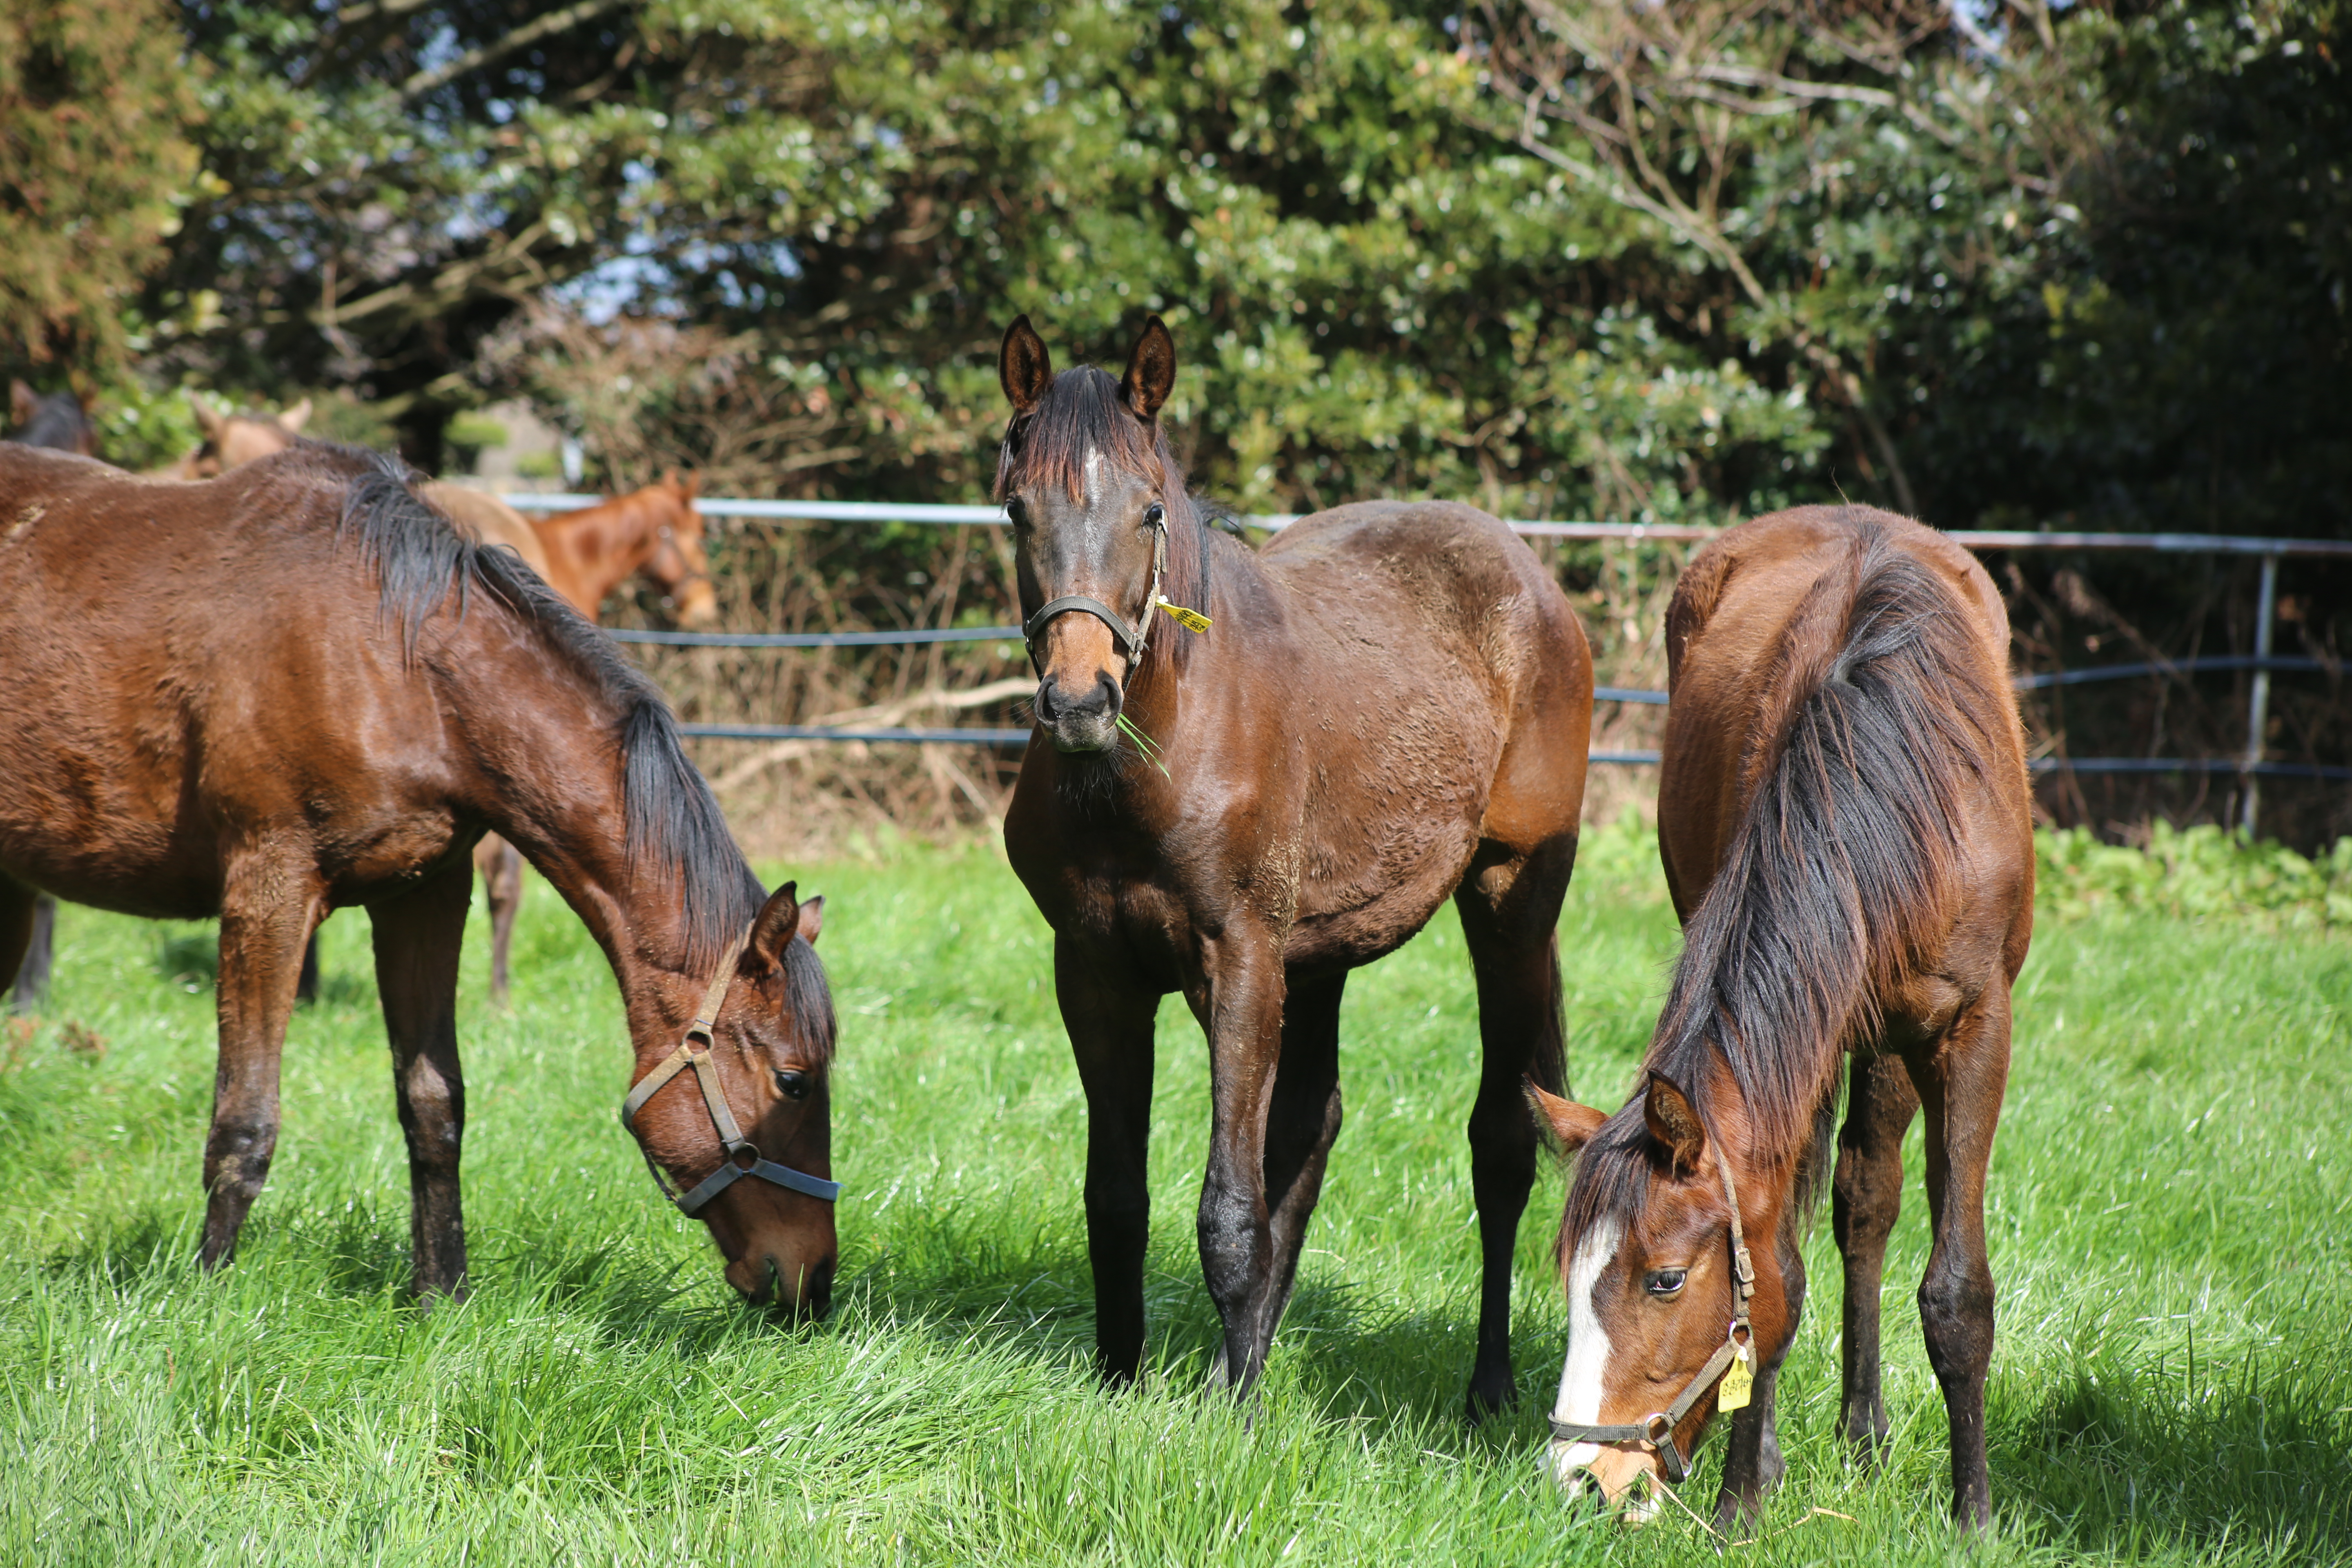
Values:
[(674, 825), (1849, 846)]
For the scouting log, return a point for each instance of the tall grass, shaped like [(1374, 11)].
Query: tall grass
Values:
[(2168, 1220)]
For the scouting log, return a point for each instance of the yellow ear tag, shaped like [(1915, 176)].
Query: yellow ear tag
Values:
[(1738, 1383), (1191, 620)]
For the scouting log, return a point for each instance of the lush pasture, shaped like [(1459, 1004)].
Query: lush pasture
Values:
[(2171, 1204)]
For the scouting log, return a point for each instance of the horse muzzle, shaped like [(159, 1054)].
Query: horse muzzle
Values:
[(1083, 721)]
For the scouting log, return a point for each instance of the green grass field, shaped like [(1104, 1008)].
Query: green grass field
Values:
[(2170, 1206)]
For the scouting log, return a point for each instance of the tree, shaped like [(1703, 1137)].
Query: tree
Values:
[(95, 106)]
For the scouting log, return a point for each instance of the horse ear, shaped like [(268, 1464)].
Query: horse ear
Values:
[(779, 922), (292, 420), (1673, 1123), (1022, 366), (22, 404), (1150, 371), (1569, 1122), (811, 919), (692, 485), (210, 420)]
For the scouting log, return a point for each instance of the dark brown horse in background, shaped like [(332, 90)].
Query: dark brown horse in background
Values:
[(60, 423), (1391, 706), (1847, 833), (297, 687)]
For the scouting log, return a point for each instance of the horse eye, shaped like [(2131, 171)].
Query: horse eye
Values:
[(1665, 1281), (793, 1085), (1154, 515), (1018, 511)]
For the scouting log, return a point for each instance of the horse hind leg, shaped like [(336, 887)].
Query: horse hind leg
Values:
[(500, 864), (1510, 916), (19, 918), (418, 937), (1960, 1080), (262, 933), (1302, 1122), (1865, 1198), (30, 992)]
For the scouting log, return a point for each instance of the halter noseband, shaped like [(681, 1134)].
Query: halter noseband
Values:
[(742, 1157), (1135, 636), (1657, 1429)]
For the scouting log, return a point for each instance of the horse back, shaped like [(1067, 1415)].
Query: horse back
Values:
[(1452, 690), (1766, 615), (187, 667)]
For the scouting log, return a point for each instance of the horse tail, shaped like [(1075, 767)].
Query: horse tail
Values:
[(1849, 857)]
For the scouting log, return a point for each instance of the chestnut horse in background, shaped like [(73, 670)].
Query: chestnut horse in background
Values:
[(59, 422), (297, 687), (1391, 706), (1847, 832)]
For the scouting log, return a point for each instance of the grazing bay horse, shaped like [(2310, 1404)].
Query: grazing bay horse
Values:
[(1847, 833), (1389, 704), (59, 422), (296, 688)]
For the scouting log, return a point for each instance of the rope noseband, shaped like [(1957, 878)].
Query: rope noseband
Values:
[(1657, 1430), (742, 1157)]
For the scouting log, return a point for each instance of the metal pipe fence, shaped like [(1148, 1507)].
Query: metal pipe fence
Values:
[(2252, 767)]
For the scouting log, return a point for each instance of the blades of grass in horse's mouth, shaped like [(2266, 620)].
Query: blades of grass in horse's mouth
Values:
[(1144, 744)]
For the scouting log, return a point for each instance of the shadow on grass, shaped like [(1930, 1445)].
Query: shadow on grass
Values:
[(2118, 1460)]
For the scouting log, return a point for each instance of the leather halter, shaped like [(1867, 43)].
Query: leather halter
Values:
[(742, 1157), (1657, 1430), (1134, 637)]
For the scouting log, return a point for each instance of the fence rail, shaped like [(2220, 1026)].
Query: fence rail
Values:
[(2252, 767)]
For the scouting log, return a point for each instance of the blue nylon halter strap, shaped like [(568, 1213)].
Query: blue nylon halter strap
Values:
[(742, 1157)]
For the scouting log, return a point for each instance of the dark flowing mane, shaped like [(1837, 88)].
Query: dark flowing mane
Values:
[(674, 825), (1847, 855), (1082, 412)]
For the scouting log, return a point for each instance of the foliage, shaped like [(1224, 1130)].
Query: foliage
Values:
[(95, 110), (2167, 1243), (2198, 873)]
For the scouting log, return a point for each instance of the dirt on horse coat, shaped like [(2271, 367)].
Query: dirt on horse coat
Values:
[(1391, 706), (1844, 818), (296, 688)]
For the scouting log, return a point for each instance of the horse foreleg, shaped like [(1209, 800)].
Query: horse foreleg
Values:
[(1109, 1018), (264, 925), (1753, 1466), (1242, 1010), (1301, 1125), (32, 971), (501, 867), (1510, 914), (1866, 1197), (1960, 1081), (417, 939)]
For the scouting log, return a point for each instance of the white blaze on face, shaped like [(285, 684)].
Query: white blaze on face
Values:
[(1588, 1353), (1094, 477)]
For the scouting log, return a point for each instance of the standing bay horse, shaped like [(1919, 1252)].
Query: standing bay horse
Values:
[(1390, 704), (296, 688), (1846, 828)]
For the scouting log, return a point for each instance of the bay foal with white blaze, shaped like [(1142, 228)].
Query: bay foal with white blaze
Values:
[(1389, 705), (1845, 823)]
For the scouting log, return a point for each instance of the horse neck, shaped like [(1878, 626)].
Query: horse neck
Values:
[(552, 784)]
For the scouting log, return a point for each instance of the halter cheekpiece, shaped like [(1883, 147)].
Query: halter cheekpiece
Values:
[(742, 1157), (1657, 1430)]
